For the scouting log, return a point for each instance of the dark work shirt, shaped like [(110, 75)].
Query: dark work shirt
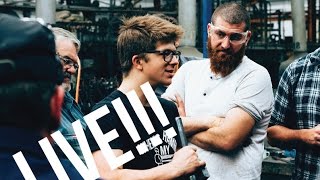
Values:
[(157, 155), (70, 113)]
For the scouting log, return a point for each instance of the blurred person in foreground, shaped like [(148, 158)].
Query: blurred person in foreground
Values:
[(31, 97), (227, 99)]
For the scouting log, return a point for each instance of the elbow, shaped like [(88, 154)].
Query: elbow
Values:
[(232, 143), (229, 145), (110, 175), (271, 137)]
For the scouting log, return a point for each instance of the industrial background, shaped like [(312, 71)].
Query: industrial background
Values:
[(283, 30)]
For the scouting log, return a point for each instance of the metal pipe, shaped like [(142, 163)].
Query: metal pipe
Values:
[(299, 26), (78, 83), (187, 19), (46, 9), (279, 23), (206, 18), (312, 21), (157, 5)]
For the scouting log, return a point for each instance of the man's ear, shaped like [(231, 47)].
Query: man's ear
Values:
[(248, 37), (137, 62), (56, 107), (208, 29)]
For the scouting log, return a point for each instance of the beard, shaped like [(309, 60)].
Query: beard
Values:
[(67, 85), (224, 64)]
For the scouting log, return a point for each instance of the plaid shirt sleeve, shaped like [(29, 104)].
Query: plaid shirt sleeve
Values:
[(283, 99)]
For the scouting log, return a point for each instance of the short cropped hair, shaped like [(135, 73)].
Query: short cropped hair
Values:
[(142, 33), (233, 13), (26, 104), (60, 33)]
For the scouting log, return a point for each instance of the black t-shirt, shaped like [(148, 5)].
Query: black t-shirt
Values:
[(156, 156)]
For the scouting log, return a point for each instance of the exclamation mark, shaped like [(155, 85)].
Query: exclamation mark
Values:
[(157, 108), (126, 119), (145, 120)]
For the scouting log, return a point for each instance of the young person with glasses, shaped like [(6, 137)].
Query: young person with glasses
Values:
[(227, 99), (147, 53), (182, 59)]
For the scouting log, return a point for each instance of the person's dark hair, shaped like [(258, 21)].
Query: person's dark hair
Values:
[(233, 13), (26, 104), (140, 34)]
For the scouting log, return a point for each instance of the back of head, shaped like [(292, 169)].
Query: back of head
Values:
[(168, 18), (60, 33), (142, 33), (29, 72), (233, 13)]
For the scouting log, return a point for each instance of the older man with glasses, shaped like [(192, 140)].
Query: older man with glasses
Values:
[(67, 48), (227, 99)]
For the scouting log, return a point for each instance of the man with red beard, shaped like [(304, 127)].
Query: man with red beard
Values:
[(227, 99)]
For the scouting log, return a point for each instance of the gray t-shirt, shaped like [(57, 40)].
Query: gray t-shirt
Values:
[(206, 94)]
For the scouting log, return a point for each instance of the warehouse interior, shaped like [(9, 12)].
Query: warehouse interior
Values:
[(283, 30)]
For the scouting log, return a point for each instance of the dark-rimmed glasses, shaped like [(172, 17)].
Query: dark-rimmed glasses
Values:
[(219, 33), (69, 62), (167, 54)]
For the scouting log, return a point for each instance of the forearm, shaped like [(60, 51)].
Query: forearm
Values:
[(185, 161), (280, 134), (193, 125), (164, 172), (167, 171), (213, 140), (229, 134)]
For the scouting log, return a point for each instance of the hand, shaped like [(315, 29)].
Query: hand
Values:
[(180, 105), (312, 136), (185, 161)]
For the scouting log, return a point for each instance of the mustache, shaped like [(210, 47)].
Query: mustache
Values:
[(67, 75), (227, 51)]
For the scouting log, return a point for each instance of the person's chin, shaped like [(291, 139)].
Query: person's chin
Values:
[(166, 82), (66, 86)]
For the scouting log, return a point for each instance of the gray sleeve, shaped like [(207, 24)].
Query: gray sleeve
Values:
[(254, 94)]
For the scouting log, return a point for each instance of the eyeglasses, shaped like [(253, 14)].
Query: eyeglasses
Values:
[(167, 54), (68, 61), (220, 34)]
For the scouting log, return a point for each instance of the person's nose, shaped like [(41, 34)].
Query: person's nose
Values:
[(225, 43), (71, 69), (175, 60)]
